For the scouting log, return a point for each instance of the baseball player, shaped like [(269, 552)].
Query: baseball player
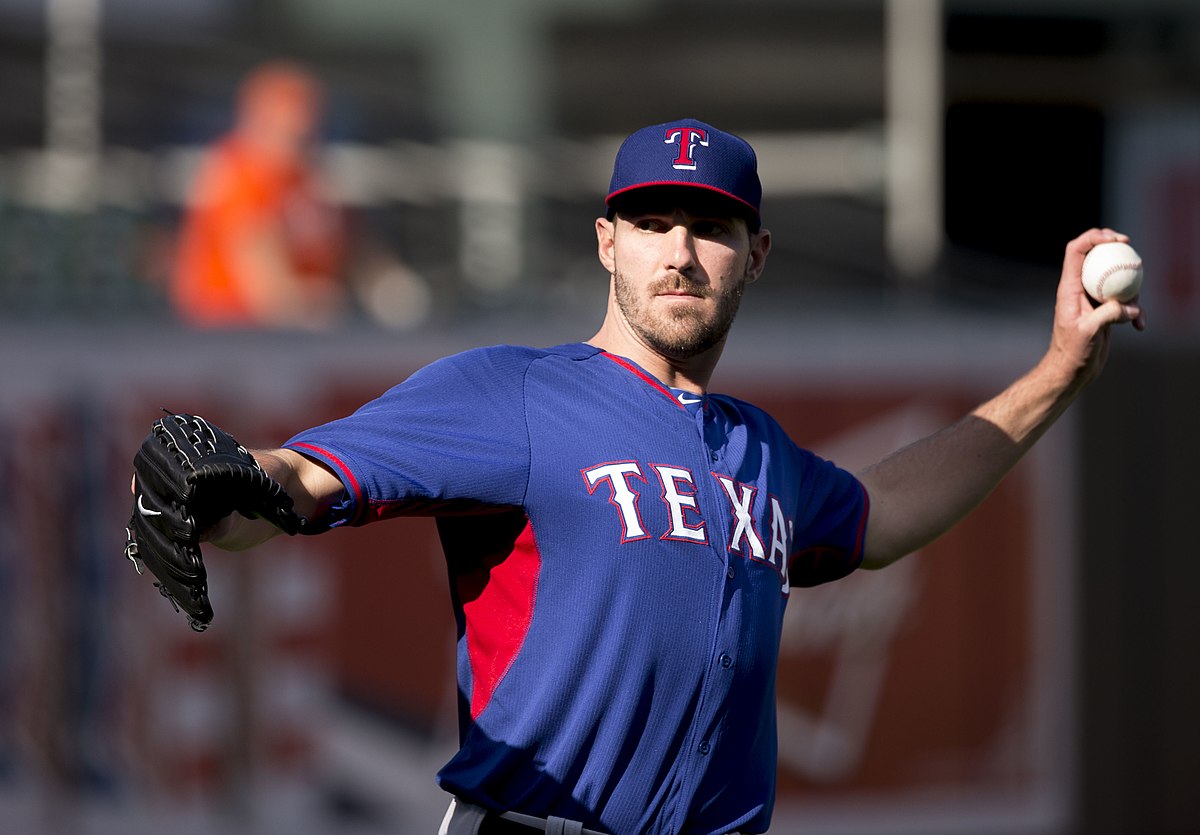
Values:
[(622, 542)]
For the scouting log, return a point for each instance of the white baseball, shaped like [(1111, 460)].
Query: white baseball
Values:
[(1112, 271)]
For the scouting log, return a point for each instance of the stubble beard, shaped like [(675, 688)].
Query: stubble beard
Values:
[(683, 332)]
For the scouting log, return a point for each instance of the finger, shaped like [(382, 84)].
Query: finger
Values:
[(1135, 312), (1107, 235), (1113, 312), (1087, 241)]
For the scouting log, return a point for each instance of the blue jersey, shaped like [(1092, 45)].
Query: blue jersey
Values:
[(619, 560)]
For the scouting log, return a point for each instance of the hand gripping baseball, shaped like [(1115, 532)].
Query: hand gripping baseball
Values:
[(189, 474)]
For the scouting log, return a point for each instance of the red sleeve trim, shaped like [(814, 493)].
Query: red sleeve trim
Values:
[(347, 476)]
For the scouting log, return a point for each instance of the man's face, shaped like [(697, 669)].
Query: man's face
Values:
[(678, 275)]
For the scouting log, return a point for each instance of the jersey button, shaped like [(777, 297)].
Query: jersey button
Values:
[(704, 748), (729, 572), (725, 660)]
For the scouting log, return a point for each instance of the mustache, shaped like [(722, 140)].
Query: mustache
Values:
[(679, 282)]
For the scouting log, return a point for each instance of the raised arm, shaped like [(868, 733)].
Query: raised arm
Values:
[(924, 489), (312, 486)]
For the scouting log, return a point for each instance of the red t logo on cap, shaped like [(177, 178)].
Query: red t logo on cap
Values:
[(687, 139)]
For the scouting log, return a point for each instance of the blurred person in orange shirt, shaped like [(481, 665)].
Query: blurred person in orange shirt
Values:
[(261, 245)]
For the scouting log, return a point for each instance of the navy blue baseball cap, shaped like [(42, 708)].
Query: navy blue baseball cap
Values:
[(688, 153)]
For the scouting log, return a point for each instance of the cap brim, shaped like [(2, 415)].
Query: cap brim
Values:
[(698, 197)]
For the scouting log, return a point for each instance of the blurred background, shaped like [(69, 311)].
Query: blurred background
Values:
[(268, 211)]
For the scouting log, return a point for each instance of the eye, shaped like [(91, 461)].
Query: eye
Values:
[(708, 228), (649, 223)]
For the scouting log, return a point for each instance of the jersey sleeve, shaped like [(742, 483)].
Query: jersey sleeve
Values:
[(452, 438), (831, 522)]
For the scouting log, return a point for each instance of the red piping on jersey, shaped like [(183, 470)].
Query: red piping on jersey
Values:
[(347, 477), (497, 601), (629, 366)]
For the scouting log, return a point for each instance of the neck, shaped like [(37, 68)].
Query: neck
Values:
[(688, 373)]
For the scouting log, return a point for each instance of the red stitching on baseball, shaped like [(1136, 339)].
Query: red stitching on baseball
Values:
[(1115, 268)]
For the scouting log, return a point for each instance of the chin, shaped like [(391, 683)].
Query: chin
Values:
[(685, 347)]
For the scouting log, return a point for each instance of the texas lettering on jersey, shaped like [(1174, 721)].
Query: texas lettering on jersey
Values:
[(624, 483)]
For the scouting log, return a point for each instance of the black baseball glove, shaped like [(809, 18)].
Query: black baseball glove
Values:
[(189, 474)]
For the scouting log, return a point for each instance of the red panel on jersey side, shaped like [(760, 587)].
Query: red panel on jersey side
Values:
[(498, 607)]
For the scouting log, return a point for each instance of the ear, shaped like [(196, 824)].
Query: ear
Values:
[(605, 244), (756, 261)]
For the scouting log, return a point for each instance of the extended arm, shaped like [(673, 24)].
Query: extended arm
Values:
[(311, 485), (921, 491)]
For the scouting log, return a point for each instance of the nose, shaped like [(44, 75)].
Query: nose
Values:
[(680, 248)]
